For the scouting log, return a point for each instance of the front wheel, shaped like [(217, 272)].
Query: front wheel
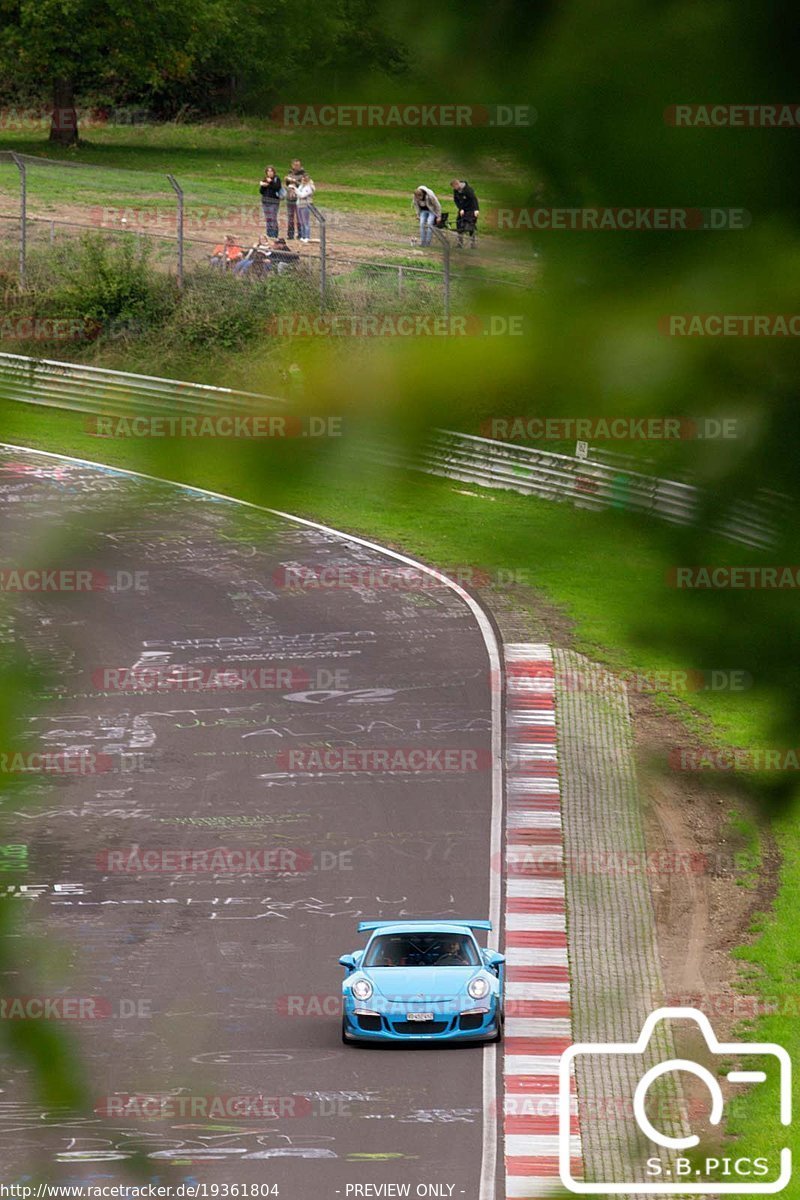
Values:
[(349, 1041), (498, 1037)]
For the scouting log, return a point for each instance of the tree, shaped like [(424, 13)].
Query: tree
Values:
[(186, 52), (114, 46)]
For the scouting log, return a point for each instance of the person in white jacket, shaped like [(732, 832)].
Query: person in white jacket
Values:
[(305, 191), (427, 208)]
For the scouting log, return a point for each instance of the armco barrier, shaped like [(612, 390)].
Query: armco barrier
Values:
[(97, 390), (476, 460), (587, 484)]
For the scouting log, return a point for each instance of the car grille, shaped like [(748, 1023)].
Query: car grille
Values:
[(370, 1024), (419, 1026), (469, 1021)]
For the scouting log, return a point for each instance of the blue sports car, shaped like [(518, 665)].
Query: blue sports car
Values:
[(422, 981)]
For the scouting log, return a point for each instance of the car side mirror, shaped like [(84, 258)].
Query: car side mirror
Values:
[(494, 960), (348, 961)]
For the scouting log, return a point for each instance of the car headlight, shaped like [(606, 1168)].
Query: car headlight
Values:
[(362, 989), (478, 987)]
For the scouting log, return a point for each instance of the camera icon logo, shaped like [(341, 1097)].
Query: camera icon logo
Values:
[(679, 1175)]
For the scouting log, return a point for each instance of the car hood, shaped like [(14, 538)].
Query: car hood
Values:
[(424, 983)]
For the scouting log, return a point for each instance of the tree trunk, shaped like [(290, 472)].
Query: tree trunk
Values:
[(64, 118)]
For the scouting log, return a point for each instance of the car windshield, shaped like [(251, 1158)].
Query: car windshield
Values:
[(422, 950)]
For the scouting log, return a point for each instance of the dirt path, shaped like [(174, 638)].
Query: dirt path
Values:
[(351, 237), (685, 908)]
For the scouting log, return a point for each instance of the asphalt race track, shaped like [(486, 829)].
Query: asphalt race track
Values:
[(209, 985)]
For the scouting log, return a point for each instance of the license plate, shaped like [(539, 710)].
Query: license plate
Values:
[(415, 1016)]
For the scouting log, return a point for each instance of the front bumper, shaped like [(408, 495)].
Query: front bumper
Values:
[(392, 1025)]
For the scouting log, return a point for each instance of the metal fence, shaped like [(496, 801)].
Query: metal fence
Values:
[(47, 204), (79, 388), (586, 483), (464, 457)]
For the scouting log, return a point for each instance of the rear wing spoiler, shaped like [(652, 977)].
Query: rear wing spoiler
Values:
[(368, 926)]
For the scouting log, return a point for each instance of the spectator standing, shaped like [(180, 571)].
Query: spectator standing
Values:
[(428, 209), (466, 203), (292, 180), (305, 191), (270, 189)]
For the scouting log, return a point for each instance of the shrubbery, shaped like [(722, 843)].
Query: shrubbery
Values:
[(220, 309), (109, 291), (113, 283)]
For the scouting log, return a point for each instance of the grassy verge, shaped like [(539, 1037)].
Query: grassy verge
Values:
[(770, 971), (227, 155)]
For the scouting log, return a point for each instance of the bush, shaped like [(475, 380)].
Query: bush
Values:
[(221, 309), (112, 283)]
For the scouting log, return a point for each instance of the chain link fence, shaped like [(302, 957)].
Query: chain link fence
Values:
[(360, 261)]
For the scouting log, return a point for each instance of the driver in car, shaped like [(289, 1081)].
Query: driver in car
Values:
[(453, 956)]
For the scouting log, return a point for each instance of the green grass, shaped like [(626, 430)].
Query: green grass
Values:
[(774, 972), (220, 162)]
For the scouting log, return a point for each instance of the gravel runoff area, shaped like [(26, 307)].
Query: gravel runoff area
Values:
[(615, 970)]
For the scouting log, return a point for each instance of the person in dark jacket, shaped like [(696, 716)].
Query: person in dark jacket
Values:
[(270, 189), (293, 179), (466, 203)]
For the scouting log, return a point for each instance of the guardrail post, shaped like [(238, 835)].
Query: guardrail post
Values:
[(178, 190), (618, 493), (444, 239), (323, 253), (23, 218)]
